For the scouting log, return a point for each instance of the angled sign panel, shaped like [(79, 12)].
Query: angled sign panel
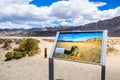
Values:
[(81, 46)]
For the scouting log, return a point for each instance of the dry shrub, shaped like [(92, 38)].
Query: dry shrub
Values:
[(27, 47), (9, 56), (110, 49), (48, 40)]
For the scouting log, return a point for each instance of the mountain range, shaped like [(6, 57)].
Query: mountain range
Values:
[(112, 25)]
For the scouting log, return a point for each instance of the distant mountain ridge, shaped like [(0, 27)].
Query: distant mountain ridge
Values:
[(112, 25)]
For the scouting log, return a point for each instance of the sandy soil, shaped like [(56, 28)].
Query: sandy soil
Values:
[(36, 67)]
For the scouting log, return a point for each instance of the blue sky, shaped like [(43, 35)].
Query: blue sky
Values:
[(79, 36), (111, 4), (43, 2), (50, 13)]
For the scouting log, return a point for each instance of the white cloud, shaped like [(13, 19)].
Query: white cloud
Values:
[(109, 13), (15, 1), (72, 8), (10, 25), (19, 13)]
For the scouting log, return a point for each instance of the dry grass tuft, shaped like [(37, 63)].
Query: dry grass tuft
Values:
[(48, 40)]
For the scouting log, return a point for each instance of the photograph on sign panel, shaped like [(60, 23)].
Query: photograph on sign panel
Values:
[(79, 46)]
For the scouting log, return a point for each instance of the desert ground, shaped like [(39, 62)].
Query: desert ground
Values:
[(36, 67)]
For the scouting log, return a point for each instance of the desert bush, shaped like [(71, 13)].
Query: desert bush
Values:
[(32, 52), (9, 56), (48, 40), (8, 48), (17, 41), (9, 40), (27, 47), (110, 49), (29, 44), (6, 44), (1, 41), (18, 54), (16, 49)]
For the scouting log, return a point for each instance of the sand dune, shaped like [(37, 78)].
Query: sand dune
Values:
[(36, 67)]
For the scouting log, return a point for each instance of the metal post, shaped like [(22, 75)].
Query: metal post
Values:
[(103, 58), (51, 69), (103, 72), (45, 53)]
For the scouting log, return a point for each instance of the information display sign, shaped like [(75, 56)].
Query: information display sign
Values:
[(81, 46)]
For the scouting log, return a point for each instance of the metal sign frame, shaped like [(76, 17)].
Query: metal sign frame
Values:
[(103, 54)]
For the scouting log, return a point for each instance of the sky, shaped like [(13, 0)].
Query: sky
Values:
[(52, 13), (79, 36)]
